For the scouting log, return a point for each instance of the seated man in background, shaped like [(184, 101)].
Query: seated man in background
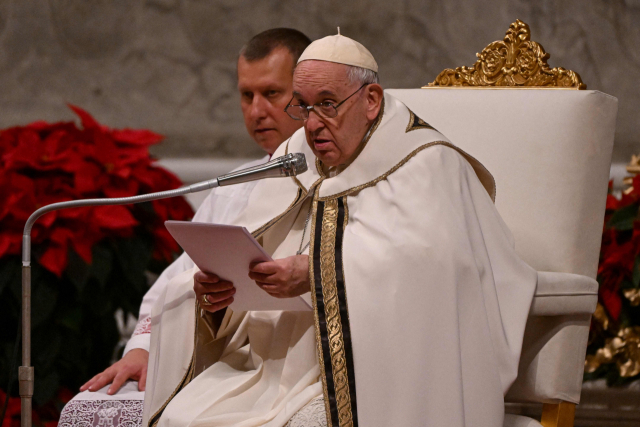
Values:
[(265, 71), (419, 300)]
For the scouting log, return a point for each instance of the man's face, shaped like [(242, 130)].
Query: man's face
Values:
[(265, 87), (334, 140)]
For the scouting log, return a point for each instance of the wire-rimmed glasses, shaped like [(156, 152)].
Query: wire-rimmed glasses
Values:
[(326, 110)]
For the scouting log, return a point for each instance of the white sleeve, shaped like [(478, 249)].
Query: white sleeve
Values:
[(141, 335), (222, 205)]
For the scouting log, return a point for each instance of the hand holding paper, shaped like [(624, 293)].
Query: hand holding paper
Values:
[(218, 292), (282, 278), (225, 253)]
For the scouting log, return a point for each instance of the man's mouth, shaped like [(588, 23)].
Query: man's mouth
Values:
[(264, 130), (321, 144)]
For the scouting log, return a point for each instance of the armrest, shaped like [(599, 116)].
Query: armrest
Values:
[(555, 339), (559, 294)]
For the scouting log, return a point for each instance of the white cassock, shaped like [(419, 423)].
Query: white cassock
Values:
[(420, 300)]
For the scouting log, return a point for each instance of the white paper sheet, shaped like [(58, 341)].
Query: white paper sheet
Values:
[(227, 251)]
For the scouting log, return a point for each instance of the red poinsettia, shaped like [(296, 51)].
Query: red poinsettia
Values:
[(44, 416), (620, 248), (44, 163)]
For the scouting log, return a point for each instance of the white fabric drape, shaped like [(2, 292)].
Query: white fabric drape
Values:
[(437, 298)]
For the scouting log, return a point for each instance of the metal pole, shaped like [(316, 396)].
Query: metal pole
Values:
[(26, 371)]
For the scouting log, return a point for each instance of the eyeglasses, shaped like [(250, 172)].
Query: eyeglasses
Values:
[(326, 110)]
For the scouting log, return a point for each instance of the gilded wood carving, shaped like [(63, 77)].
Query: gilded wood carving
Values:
[(515, 61)]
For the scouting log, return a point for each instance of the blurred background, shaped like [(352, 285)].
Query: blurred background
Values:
[(169, 65)]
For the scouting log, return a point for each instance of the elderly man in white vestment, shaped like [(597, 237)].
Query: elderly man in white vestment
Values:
[(265, 68), (419, 299)]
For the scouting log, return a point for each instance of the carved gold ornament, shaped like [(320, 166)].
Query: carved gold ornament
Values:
[(633, 295), (516, 61), (634, 165), (600, 316), (624, 350), (633, 168)]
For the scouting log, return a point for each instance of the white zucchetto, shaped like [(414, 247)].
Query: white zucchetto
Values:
[(341, 50)]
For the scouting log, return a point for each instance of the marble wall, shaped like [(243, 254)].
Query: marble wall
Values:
[(169, 65)]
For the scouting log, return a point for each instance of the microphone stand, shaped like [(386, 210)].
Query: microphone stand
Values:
[(288, 165)]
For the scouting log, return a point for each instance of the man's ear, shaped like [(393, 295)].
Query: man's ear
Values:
[(375, 95)]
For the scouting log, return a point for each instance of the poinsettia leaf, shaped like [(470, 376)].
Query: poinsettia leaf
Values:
[(71, 318), (88, 122), (48, 384), (44, 294), (134, 255), (623, 218), (79, 275), (78, 271), (9, 272), (46, 344), (102, 264), (636, 273)]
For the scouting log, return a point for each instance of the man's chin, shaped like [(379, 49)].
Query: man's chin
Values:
[(268, 142), (328, 158)]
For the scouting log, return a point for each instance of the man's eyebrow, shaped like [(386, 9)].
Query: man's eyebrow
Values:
[(327, 93)]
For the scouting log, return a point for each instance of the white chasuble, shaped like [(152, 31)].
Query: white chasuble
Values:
[(420, 300)]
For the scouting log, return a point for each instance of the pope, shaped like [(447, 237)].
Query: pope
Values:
[(419, 298)]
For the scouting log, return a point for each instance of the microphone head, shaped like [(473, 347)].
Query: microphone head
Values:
[(294, 164)]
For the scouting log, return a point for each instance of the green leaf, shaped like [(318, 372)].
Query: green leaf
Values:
[(78, 271), (99, 302), (133, 256), (71, 318), (10, 271), (636, 273), (46, 386), (623, 218), (102, 263), (47, 343), (44, 296)]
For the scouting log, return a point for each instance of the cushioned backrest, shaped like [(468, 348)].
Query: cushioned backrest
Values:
[(550, 153)]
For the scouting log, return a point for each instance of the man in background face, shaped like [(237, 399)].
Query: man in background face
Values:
[(265, 83)]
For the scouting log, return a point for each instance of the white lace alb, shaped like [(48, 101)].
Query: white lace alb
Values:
[(311, 415)]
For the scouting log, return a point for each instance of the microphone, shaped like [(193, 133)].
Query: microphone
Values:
[(290, 164)]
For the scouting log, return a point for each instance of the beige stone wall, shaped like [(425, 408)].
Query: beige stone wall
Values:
[(169, 65)]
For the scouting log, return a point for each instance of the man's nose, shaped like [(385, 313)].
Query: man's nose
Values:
[(313, 122), (259, 107)]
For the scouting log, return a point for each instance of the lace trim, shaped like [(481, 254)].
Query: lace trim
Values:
[(143, 327), (312, 414), (101, 413), (128, 413)]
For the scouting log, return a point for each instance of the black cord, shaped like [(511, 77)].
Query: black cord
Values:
[(14, 366)]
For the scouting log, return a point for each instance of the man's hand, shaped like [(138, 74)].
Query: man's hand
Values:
[(132, 366), (283, 278), (217, 291)]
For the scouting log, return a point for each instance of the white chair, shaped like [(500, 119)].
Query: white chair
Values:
[(550, 152)]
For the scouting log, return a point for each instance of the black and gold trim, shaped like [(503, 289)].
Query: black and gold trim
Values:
[(333, 333), (416, 122)]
